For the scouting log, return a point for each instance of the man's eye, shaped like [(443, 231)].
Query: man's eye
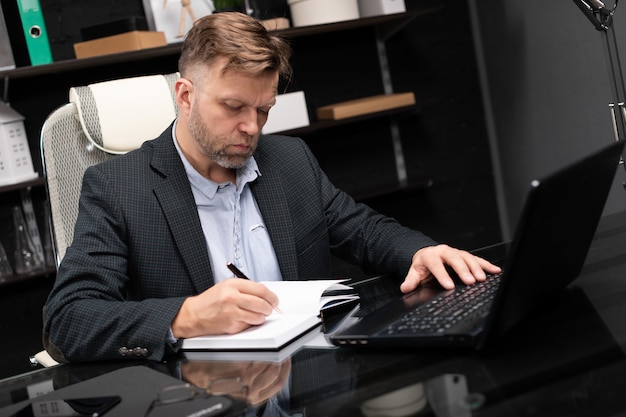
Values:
[(264, 111), (232, 107)]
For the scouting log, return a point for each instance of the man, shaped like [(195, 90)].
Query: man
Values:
[(157, 226)]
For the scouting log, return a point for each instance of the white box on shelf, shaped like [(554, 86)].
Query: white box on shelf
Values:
[(318, 12), (378, 7), (16, 164), (289, 112)]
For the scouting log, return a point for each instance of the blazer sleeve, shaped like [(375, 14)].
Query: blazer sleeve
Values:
[(95, 310), (362, 236), (326, 219)]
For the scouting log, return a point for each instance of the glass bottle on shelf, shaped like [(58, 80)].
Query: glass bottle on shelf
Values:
[(5, 266), (26, 257)]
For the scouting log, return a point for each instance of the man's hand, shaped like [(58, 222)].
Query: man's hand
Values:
[(228, 307), (262, 380), (431, 262)]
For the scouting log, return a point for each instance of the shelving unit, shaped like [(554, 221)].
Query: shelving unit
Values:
[(10, 197), (388, 25), (37, 182), (31, 276)]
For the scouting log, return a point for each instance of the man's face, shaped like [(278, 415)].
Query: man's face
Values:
[(227, 113)]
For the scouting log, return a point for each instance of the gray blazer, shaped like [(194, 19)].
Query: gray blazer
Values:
[(139, 250)]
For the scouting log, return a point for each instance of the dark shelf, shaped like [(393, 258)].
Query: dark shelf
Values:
[(32, 276), (318, 125), (397, 21), (37, 182), (386, 23), (86, 63)]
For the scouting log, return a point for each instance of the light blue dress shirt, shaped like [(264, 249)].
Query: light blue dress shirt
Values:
[(232, 223)]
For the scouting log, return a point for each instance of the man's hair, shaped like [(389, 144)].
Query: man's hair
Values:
[(248, 46)]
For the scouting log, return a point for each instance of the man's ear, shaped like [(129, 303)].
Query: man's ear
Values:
[(183, 90)]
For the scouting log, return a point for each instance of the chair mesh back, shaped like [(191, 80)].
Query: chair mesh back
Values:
[(66, 154)]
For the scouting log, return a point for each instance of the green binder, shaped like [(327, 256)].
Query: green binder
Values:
[(35, 32)]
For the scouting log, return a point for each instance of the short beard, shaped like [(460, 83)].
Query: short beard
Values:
[(207, 141), (226, 161)]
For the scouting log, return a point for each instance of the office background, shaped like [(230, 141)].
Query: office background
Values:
[(546, 91), (508, 91)]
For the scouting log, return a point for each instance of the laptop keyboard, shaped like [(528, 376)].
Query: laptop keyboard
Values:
[(448, 310)]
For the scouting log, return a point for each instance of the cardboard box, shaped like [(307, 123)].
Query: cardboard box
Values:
[(380, 7), (277, 23), (289, 112), (365, 105), (124, 42)]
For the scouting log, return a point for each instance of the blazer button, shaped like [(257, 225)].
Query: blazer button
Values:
[(139, 351)]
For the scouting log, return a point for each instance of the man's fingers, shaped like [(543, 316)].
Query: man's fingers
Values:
[(419, 274), (253, 296), (226, 308), (432, 261)]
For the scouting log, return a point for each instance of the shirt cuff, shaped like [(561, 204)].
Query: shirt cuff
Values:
[(171, 339)]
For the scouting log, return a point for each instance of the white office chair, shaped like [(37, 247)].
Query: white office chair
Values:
[(100, 121)]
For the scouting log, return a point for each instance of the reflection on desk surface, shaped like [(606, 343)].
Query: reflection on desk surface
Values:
[(561, 354), (566, 360), (443, 396)]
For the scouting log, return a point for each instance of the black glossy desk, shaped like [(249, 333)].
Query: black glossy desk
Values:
[(567, 360)]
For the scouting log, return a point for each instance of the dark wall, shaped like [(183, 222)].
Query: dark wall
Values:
[(436, 61), (546, 86)]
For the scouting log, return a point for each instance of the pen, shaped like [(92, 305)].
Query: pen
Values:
[(241, 275), (236, 271)]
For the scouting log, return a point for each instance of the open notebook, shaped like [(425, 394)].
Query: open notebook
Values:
[(547, 253), (300, 303)]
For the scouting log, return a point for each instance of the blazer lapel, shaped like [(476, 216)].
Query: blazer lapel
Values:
[(270, 196), (179, 208)]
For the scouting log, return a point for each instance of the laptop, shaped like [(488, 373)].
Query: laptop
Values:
[(548, 251)]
